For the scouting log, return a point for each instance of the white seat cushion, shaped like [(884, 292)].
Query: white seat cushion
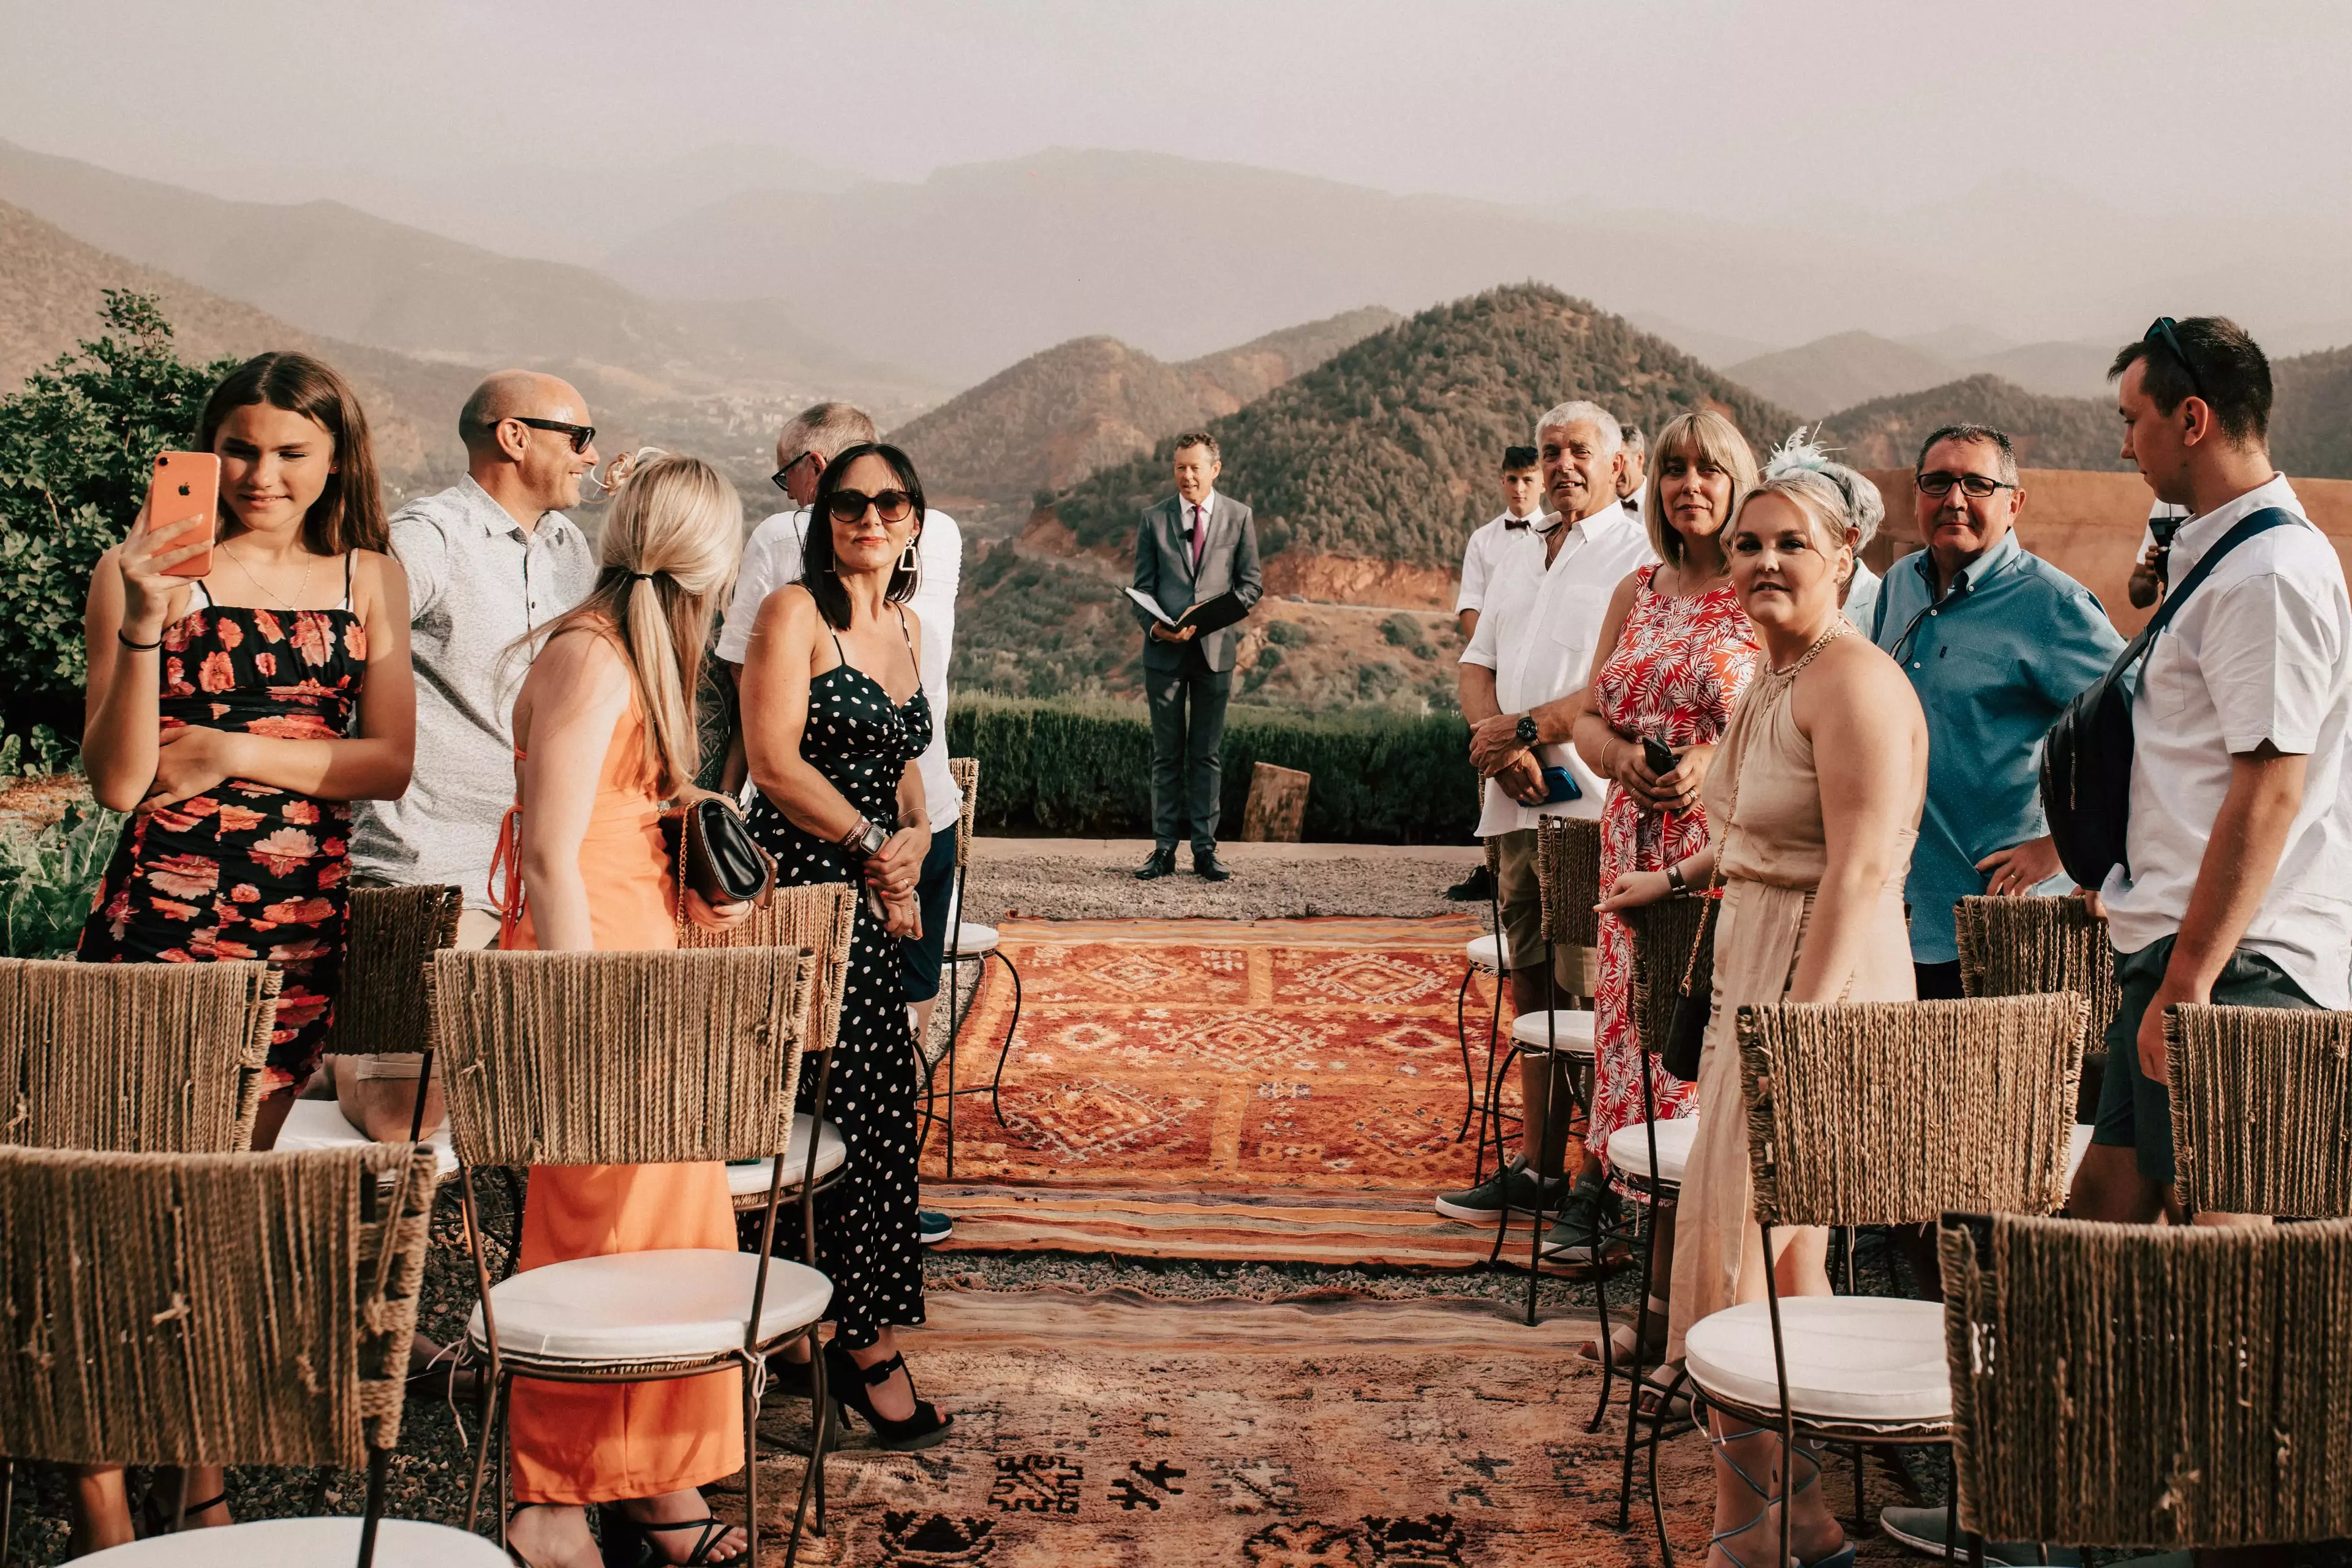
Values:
[(974, 941), (1629, 1149), (2078, 1140), (1865, 1359), (1568, 1033), (1484, 953), (320, 1125), (674, 1305), (312, 1544), (751, 1180)]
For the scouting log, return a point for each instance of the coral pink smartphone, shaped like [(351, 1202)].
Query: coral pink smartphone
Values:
[(184, 499)]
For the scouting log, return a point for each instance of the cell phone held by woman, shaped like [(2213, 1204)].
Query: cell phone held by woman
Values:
[(183, 507), (1658, 755)]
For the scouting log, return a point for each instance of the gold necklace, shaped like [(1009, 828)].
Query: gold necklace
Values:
[(1837, 628), (299, 590)]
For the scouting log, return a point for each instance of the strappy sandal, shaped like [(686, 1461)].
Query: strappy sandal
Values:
[(628, 1540), (155, 1513), (1840, 1558), (850, 1385)]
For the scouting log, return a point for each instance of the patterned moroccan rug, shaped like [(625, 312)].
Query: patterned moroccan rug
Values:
[(1221, 1089)]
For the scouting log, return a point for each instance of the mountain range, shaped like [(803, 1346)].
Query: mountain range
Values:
[(1848, 368)]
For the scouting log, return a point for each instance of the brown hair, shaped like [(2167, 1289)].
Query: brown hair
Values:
[(1195, 438), (349, 513), (2222, 365), (1704, 435)]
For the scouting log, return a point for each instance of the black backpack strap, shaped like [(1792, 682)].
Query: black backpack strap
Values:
[(2253, 523)]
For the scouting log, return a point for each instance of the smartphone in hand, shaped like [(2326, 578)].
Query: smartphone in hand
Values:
[(1658, 754), (184, 506)]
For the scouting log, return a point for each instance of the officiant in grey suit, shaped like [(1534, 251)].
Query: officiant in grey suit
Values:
[(1192, 547)]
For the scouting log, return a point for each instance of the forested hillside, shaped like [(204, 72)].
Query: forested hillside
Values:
[(2050, 432), (1388, 449), (2311, 422)]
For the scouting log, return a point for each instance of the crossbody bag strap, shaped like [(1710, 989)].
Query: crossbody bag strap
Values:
[(2253, 523)]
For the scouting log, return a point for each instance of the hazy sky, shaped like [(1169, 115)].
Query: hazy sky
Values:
[(1698, 107)]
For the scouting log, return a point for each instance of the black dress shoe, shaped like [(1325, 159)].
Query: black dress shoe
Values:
[(1208, 867), (1162, 864), (1477, 887)]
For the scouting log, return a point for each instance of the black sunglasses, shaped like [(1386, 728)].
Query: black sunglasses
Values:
[(1977, 487), (781, 477), (2161, 330), (848, 506), (581, 434)]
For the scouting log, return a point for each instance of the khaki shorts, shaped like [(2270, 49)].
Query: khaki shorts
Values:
[(476, 929), (1574, 968)]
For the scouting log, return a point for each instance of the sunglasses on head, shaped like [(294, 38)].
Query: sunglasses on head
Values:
[(849, 506), (2161, 330), (581, 434)]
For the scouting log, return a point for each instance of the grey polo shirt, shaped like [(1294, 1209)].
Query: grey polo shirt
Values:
[(475, 582)]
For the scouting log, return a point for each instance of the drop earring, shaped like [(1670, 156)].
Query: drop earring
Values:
[(908, 560)]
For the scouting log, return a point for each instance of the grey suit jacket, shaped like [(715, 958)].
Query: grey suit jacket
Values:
[(1164, 574)]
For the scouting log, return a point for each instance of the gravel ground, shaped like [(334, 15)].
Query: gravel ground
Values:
[(1052, 887)]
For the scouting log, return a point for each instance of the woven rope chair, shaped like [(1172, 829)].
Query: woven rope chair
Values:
[(394, 933), (1482, 955), (2262, 1110), (621, 1058), (2035, 946), (1881, 1113), (255, 1309), (820, 919), (143, 1058), (966, 943), (2161, 1387), (1653, 1157)]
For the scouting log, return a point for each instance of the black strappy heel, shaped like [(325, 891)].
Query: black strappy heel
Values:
[(156, 1514), (848, 1383), (628, 1540)]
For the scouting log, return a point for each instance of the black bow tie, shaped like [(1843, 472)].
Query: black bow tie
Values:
[(1510, 522)]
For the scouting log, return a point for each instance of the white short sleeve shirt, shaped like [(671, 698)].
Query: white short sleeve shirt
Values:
[(2261, 651), (1478, 556), (772, 558)]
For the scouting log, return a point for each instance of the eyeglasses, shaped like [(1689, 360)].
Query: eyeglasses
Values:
[(581, 434), (2161, 330), (1976, 487), (781, 477), (849, 506)]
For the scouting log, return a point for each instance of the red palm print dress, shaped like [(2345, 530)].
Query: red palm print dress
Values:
[(247, 871), (1677, 672)]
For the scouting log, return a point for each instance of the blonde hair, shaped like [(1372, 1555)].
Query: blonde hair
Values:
[(1821, 499), (1702, 436), (669, 550)]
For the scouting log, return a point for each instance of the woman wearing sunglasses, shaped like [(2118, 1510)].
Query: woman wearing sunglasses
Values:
[(835, 719)]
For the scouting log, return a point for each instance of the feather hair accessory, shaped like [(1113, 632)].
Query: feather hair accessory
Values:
[(1800, 451)]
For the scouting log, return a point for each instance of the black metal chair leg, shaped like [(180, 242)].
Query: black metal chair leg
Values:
[(996, 1084), (1462, 1039)]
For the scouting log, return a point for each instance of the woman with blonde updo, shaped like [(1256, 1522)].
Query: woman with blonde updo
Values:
[(604, 734)]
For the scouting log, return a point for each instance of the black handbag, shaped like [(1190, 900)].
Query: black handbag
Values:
[(1686, 1034), (716, 856), (2086, 758)]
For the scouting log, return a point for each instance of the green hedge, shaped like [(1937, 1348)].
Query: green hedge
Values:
[(1085, 768)]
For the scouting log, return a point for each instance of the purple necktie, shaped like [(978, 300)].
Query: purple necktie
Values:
[(1199, 536)]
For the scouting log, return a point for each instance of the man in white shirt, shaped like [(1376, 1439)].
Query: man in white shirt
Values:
[(772, 558), (1522, 510), (2237, 886), (1531, 655), (1637, 471)]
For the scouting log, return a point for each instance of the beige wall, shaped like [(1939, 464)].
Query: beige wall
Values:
[(2088, 525)]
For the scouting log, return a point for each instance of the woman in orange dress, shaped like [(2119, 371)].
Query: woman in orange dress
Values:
[(604, 734)]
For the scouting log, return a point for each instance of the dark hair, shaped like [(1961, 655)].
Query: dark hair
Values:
[(816, 549), (1195, 438), (2226, 368), (1973, 433), (349, 513), (1517, 457)]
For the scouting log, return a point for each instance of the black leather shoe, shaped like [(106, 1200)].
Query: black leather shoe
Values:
[(1162, 864), (1208, 867)]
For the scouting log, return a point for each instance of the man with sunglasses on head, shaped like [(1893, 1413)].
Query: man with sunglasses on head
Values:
[(806, 448)]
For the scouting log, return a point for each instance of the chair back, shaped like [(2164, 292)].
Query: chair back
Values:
[(392, 934), (2033, 947), (1893, 1112), (148, 1058), (1568, 877), (965, 771), (2153, 1387), (619, 1058), (2262, 1110), (820, 918), (1663, 933), (210, 1308)]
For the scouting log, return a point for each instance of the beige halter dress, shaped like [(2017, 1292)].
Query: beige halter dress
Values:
[(1764, 792)]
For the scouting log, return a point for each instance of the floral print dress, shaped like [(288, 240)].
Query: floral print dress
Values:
[(247, 870), (1677, 674)]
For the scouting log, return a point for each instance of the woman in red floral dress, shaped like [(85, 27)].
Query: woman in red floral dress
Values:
[(1676, 653)]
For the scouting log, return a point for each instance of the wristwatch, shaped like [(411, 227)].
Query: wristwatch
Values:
[(1527, 730), (866, 838), (1674, 882)]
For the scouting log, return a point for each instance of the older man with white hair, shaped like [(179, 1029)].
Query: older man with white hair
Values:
[(1528, 660)]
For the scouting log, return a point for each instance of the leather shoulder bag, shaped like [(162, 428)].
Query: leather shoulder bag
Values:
[(716, 856)]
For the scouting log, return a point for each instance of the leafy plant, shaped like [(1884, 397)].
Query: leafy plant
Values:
[(46, 877), (75, 444), (1289, 633), (36, 756)]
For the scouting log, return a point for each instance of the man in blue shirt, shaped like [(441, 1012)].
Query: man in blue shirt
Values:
[(1997, 642)]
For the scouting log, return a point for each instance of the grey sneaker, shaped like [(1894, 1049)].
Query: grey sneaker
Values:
[(1589, 1213), (932, 1228), (1922, 1530), (1485, 1201)]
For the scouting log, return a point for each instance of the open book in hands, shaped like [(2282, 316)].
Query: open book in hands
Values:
[(1208, 616)]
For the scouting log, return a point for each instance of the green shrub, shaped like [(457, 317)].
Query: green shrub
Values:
[(1289, 633), (1085, 768), (46, 877), (1401, 630)]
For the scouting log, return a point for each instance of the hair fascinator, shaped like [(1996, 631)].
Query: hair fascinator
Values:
[(1801, 451)]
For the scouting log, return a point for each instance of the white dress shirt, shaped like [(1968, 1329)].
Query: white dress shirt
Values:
[(1539, 639), (1478, 555), (2261, 651), (772, 558), (1861, 599)]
